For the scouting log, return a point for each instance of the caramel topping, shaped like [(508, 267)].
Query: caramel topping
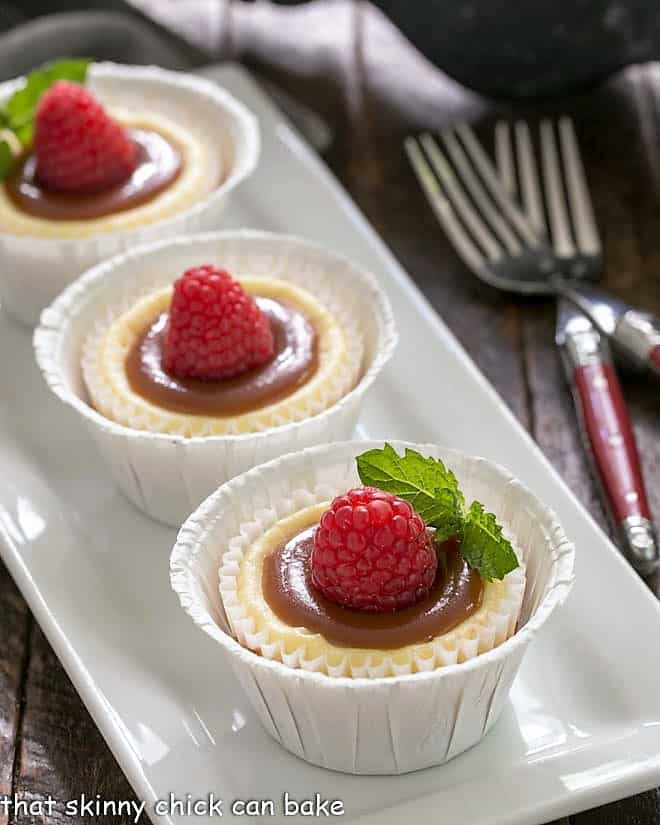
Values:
[(158, 165), (457, 593), (293, 363)]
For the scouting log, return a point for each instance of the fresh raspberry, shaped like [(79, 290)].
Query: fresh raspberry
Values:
[(78, 147), (215, 329), (372, 552)]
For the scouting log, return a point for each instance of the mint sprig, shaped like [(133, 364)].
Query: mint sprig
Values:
[(484, 547), (17, 115), (432, 489)]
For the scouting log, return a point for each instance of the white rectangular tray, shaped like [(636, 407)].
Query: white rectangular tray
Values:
[(583, 724)]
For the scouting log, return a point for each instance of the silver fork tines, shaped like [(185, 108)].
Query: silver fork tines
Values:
[(468, 198), (568, 218), (531, 195), (558, 218), (476, 190), (442, 208), (459, 199), (578, 192), (489, 174)]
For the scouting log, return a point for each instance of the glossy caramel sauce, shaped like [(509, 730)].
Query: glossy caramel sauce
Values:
[(287, 586), (159, 164), (294, 362)]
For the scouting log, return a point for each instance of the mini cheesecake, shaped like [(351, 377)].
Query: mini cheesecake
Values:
[(91, 168), (310, 367), (276, 610), (374, 709)]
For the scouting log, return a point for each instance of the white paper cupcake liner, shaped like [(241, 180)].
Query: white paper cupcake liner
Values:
[(255, 626), (387, 725), (34, 270), (167, 476)]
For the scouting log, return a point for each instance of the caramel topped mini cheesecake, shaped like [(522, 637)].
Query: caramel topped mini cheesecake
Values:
[(365, 586), (212, 356), (91, 169), (355, 560)]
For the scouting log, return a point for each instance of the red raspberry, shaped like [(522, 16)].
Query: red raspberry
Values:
[(372, 552), (79, 148), (215, 329)]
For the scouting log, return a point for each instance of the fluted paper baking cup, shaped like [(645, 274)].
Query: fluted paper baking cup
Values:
[(36, 265), (168, 475), (254, 624), (381, 725)]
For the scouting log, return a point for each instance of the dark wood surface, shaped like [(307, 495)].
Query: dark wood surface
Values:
[(346, 62)]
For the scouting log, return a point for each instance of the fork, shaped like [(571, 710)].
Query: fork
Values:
[(568, 221), (510, 248), (504, 249)]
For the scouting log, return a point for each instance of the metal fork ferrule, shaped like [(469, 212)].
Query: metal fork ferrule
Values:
[(580, 349), (637, 334)]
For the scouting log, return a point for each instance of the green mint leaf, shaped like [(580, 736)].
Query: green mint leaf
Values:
[(425, 483), (25, 133), (6, 159), (69, 68), (484, 547), (19, 111), (447, 515), (21, 105)]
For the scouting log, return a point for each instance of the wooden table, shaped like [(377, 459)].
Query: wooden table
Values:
[(345, 61)]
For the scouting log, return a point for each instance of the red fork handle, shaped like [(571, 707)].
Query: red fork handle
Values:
[(610, 442)]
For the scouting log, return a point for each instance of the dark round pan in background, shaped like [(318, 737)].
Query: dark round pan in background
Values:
[(531, 47)]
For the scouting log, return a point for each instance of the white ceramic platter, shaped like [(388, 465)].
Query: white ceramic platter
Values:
[(583, 724)]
